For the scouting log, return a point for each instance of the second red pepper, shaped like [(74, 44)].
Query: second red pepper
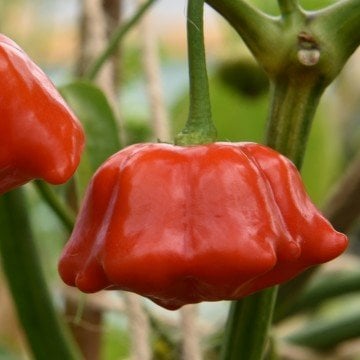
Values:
[(181, 225)]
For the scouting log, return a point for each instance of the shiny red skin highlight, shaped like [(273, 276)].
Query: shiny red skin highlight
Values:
[(182, 225), (39, 135)]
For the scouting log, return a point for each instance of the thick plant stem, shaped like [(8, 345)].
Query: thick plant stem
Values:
[(21, 265), (292, 108), (199, 128), (301, 64), (248, 325)]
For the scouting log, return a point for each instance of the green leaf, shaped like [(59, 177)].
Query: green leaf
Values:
[(91, 106), (321, 289), (95, 113), (20, 262), (326, 334)]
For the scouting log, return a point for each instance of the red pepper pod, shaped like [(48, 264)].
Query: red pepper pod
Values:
[(182, 225), (39, 135)]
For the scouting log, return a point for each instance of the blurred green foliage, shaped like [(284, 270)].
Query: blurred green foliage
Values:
[(115, 340), (6, 355), (245, 77)]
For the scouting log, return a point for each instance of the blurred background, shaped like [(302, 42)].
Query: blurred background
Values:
[(53, 33)]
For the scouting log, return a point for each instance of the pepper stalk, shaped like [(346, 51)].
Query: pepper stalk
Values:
[(199, 128)]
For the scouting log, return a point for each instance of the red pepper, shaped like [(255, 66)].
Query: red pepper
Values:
[(39, 135), (182, 225)]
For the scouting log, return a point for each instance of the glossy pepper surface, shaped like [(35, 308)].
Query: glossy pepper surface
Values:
[(39, 135), (182, 225)]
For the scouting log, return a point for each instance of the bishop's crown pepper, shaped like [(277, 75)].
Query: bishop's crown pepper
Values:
[(39, 135), (182, 225)]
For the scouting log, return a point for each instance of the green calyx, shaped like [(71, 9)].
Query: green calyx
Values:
[(194, 134)]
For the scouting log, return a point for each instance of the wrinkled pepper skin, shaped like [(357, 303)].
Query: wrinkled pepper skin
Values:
[(39, 135), (182, 225)]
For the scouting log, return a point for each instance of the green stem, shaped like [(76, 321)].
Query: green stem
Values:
[(115, 39), (300, 66), (296, 91), (63, 212), (293, 104), (21, 265), (246, 333), (199, 128), (292, 108)]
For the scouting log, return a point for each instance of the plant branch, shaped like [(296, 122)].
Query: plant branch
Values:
[(340, 22), (21, 265), (259, 31), (116, 38)]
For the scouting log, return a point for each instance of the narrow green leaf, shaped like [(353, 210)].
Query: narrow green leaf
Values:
[(327, 334), (324, 288), (21, 265)]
